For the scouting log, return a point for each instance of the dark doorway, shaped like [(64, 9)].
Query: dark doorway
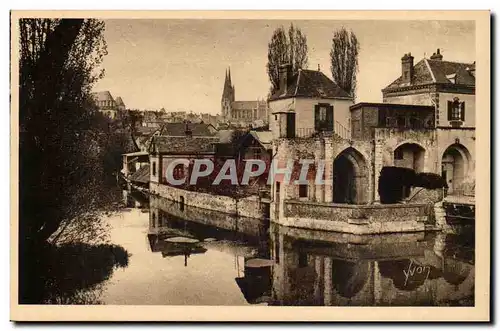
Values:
[(344, 181), (350, 178)]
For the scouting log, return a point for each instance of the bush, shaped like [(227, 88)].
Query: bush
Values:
[(394, 183), (429, 180)]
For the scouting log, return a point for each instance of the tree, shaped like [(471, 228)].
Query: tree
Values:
[(283, 49), (344, 60), (62, 136)]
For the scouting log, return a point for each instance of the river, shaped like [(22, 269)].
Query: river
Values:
[(235, 261)]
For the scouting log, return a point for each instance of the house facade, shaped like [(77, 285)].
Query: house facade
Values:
[(448, 87)]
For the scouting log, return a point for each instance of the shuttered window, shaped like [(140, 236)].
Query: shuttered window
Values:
[(323, 117)]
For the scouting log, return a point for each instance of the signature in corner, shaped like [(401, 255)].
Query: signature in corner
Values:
[(416, 270)]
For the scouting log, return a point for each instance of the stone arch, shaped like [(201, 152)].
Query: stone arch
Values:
[(350, 177), (409, 154), (455, 165)]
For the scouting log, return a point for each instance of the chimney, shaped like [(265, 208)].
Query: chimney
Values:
[(285, 73), (407, 68), (437, 56)]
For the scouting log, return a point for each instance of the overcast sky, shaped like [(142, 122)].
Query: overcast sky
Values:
[(180, 64)]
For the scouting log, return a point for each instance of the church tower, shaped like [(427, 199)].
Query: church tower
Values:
[(227, 96)]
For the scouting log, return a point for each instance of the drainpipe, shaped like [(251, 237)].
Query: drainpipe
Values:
[(373, 175)]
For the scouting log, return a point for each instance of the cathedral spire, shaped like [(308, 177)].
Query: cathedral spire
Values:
[(227, 91)]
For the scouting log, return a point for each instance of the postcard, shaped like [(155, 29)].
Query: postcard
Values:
[(250, 166)]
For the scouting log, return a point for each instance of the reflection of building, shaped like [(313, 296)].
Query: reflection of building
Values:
[(241, 113), (395, 270)]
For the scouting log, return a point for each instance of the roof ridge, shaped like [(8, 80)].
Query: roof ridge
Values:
[(456, 62), (298, 83), (430, 70)]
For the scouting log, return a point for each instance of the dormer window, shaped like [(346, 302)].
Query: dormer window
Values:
[(452, 78), (456, 110)]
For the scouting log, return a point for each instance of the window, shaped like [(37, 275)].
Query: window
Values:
[(303, 191), (154, 168), (401, 121), (456, 110), (322, 113), (257, 153), (323, 117), (275, 117), (398, 154)]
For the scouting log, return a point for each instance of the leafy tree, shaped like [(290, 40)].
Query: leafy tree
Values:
[(282, 49), (344, 60), (62, 136)]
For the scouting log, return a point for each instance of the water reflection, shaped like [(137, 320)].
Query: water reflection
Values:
[(228, 260)]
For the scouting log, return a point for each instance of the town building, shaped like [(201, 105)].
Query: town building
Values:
[(426, 123), (241, 113), (449, 87), (107, 104)]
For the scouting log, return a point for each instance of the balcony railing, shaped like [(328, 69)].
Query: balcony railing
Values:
[(338, 129)]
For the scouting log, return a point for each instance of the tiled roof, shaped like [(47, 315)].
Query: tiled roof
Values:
[(428, 71), (183, 145), (235, 105), (141, 175), (119, 101), (179, 129), (103, 96), (441, 69), (264, 137), (311, 84)]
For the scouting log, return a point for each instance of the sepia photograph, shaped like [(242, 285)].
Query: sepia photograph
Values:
[(232, 165)]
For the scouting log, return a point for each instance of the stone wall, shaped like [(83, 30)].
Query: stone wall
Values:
[(423, 195), (240, 224), (247, 207), (357, 219)]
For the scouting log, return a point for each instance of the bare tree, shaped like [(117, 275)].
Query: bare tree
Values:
[(283, 49), (344, 60)]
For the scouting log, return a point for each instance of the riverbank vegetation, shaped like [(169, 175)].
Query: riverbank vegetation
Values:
[(67, 155)]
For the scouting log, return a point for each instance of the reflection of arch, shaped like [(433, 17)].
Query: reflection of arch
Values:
[(349, 174), (399, 269), (349, 278), (455, 165), (409, 155)]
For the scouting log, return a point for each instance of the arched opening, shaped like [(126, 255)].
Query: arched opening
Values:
[(349, 278), (349, 176), (454, 167), (410, 156)]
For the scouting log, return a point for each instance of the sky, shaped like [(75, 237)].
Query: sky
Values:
[(180, 64)]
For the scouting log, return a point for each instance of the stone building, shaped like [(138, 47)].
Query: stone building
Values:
[(107, 104), (240, 113), (448, 87), (426, 123)]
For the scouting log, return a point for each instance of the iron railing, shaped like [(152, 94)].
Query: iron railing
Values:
[(338, 129)]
